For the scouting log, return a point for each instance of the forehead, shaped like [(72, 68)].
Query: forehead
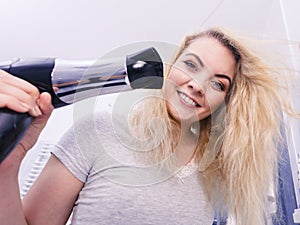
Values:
[(214, 55)]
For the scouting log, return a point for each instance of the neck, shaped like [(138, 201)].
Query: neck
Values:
[(186, 146)]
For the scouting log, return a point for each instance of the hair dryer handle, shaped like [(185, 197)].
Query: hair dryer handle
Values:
[(13, 126)]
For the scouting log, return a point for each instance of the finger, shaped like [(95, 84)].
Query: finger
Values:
[(18, 83), (19, 94), (38, 123), (46, 108), (24, 93), (19, 105), (13, 103), (45, 103)]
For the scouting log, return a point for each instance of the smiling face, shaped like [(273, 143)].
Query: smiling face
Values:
[(199, 80)]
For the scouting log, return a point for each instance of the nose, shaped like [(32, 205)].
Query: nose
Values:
[(194, 87)]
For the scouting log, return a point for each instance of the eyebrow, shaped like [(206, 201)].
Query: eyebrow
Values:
[(224, 76), (197, 58)]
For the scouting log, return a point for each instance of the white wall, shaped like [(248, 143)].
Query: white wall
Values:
[(88, 29)]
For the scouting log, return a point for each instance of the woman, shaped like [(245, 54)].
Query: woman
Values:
[(218, 118)]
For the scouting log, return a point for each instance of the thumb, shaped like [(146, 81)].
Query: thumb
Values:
[(38, 123)]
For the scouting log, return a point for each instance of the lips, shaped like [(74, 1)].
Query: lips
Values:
[(187, 100)]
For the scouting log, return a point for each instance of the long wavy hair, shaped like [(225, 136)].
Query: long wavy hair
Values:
[(237, 151)]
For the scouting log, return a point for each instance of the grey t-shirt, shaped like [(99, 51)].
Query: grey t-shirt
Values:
[(119, 188)]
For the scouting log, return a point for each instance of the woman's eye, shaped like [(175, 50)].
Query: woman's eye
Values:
[(192, 66), (218, 85)]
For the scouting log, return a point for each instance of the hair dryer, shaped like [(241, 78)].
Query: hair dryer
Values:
[(72, 81)]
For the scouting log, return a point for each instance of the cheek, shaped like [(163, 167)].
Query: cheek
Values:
[(215, 100), (177, 76), (173, 80)]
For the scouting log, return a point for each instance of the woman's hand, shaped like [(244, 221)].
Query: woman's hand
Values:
[(45, 108), (20, 96)]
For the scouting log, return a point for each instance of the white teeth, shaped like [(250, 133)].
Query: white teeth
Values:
[(186, 99)]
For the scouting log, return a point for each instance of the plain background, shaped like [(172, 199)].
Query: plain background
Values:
[(88, 29)]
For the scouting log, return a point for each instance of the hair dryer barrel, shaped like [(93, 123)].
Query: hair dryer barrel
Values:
[(72, 81)]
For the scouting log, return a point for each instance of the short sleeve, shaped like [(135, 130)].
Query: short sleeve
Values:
[(78, 146)]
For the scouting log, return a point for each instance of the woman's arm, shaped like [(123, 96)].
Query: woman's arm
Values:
[(51, 198), (20, 96), (49, 201), (10, 204)]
